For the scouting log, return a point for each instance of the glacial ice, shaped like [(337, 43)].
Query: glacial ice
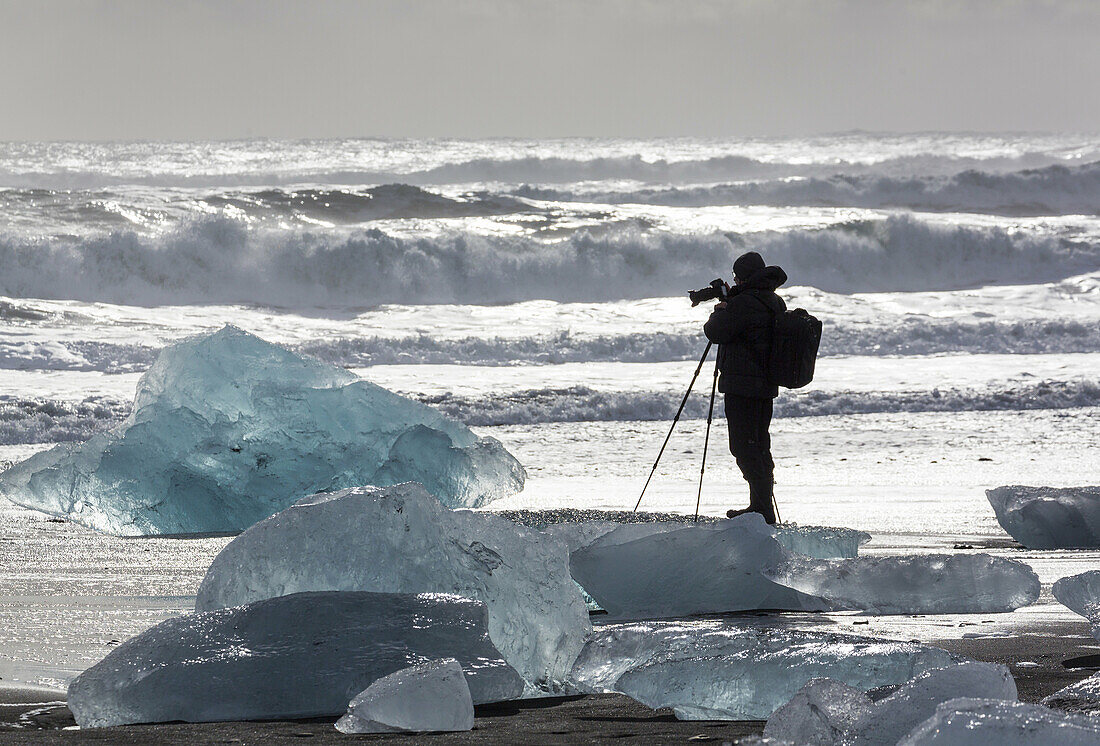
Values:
[(694, 569), (822, 542), (298, 656), (227, 429), (1082, 696), (430, 697), (401, 539), (1049, 517), (981, 722), (821, 714), (1081, 593), (914, 584), (707, 669)]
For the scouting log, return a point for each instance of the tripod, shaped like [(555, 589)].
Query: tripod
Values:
[(706, 439)]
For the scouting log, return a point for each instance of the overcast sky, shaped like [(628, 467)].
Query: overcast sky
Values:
[(147, 69)]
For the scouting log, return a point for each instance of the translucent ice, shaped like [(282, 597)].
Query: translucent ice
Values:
[(981, 722), (1049, 517), (227, 429), (708, 670), (822, 542), (401, 539), (914, 584), (297, 656), (693, 569), (821, 714), (430, 697), (1081, 593), (1083, 696)]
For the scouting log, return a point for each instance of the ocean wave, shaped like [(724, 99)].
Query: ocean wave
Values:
[(581, 404), (1054, 190), (891, 337), (221, 260), (25, 420), (531, 169)]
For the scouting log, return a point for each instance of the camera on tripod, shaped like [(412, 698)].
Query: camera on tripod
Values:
[(718, 289)]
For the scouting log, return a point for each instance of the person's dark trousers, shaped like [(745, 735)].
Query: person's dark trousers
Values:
[(750, 443)]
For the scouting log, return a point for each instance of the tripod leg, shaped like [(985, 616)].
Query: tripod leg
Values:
[(679, 411), (706, 441), (775, 505)]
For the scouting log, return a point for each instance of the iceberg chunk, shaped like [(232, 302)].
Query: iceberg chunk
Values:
[(227, 429), (1049, 517), (1083, 696), (1081, 593), (697, 569), (914, 584), (710, 670), (822, 542), (400, 539), (822, 714), (431, 697), (981, 722), (297, 656)]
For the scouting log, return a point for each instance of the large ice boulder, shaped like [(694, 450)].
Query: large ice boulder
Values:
[(692, 569), (1083, 696), (400, 539), (297, 656), (227, 429), (823, 713), (708, 669), (431, 697), (1081, 593), (981, 722), (1049, 517), (914, 584)]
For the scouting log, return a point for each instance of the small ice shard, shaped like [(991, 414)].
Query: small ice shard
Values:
[(707, 669), (296, 656), (821, 714), (431, 697), (227, 429), (915, 701), (821, 542), (1049, 517), (1081, 593), (981, 722), (663, 570), (1083, 696), (401, 539), (914, 584)]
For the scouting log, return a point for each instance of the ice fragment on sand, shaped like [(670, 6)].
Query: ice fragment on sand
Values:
[(1083, 696), (709, 670), (227, 429), (981, 722), (822, 542), (400, 539), (430, 697), (1049, 517), (298, 656), (667, 570), (914, 584), (821, 714), (1081, 593)]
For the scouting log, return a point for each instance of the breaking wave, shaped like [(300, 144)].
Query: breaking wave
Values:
[(222, 260), (1054, 190)]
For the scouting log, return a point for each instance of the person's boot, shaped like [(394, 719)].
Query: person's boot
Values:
[(733, 513), (760, 499)]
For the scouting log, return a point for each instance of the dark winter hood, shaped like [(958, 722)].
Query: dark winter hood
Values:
[(768, 278)]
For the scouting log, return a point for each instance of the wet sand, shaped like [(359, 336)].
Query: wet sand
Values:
[(1034, 654)]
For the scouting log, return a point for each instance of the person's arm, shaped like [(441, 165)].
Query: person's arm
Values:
[(725, 325)]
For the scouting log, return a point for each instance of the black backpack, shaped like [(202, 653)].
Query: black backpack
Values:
[(795, 341), (796, 336)]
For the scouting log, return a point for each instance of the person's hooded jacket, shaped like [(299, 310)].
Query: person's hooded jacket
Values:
[(743, 332)]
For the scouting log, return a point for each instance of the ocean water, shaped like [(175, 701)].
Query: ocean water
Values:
[(537, 291)]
